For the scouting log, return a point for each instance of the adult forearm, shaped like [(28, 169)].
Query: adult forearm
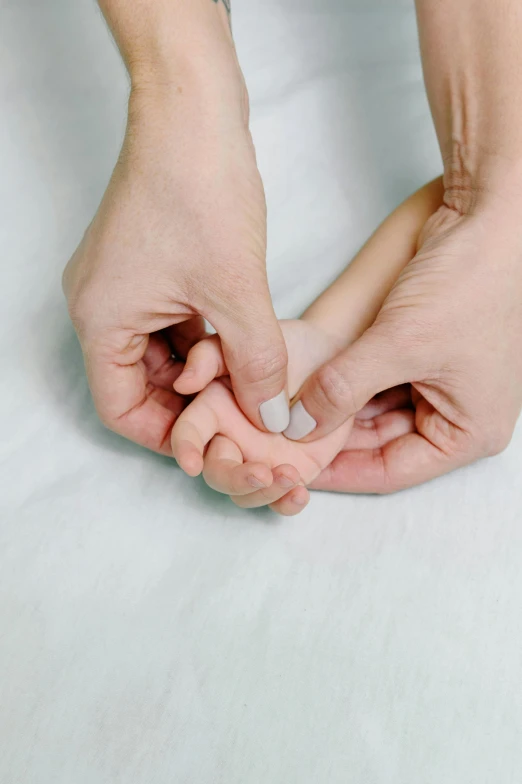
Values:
[(472, 58), (180, 44)]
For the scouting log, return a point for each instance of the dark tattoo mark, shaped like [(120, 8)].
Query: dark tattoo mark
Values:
[(226, 3)]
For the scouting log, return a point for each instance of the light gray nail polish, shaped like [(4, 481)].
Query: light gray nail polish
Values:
[(301, 423), (275, 413)]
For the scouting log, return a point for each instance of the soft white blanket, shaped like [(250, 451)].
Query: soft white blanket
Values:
[(150, 632)]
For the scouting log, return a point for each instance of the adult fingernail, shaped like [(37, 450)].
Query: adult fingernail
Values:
[(253, 481), (301, 423), (275, 413)]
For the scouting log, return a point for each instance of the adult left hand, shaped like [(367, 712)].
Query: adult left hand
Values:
[(446, 351)]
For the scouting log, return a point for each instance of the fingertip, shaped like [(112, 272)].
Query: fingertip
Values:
[(286, 475), (189, 459), (302, 424), (186, 383), (193, 466), (300, 497), (292, 503), (257, 475), (275, 413)]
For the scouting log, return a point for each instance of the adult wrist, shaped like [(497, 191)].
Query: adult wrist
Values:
[(191, 81), (178, 49), (472, 60), (477, 178)]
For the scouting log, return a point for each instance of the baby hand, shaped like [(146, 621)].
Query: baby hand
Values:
[(213, 436)]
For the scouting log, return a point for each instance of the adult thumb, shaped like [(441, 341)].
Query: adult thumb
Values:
[(256, 358), (343, 386)]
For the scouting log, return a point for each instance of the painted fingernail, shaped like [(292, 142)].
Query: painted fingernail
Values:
[(301, 423), (253, 481), (284, 481), (275, 413)]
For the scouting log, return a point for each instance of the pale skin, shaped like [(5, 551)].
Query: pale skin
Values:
[(181, 234), (452, 325), (213, 436)]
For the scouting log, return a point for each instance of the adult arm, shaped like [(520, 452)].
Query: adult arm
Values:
[(452, 325), (180, 234)]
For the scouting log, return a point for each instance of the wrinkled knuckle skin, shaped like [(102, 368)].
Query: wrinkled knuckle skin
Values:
[(272, 362), (79, 313), (335, 390), (83, 304)]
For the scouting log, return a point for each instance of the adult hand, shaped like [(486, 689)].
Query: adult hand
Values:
[(180, 236), (452, 328)]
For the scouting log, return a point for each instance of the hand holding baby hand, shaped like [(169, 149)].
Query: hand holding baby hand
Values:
[(213, 436)]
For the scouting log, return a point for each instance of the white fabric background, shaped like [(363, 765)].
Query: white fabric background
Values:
[(150, 632)]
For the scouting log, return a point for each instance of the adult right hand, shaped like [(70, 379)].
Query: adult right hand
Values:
[(180, 235)]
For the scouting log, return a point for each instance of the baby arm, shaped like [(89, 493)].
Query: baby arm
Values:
[(350, 305)]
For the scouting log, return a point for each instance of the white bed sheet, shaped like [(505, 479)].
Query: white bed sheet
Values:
[(151, 632)]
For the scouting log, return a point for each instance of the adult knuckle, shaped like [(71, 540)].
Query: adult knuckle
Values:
[(266, 363), (81, 308), (335, 389), (77, 314)]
